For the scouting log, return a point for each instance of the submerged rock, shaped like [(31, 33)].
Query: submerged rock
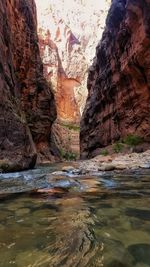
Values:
[(33, 257), (117, 263), (140, 252), (138, 213), (22, 212)]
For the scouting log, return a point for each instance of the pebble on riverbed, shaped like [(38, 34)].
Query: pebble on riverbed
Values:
[(72, 170)]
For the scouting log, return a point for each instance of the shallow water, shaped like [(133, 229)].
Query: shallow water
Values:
[(91, 220)]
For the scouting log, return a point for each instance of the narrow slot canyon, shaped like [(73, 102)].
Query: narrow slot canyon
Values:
[(68, 32), (74, 133), (74, 80)]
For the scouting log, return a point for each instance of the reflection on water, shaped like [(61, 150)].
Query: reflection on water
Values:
[(82, 221)]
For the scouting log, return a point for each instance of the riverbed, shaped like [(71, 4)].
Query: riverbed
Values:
[(51, 218)]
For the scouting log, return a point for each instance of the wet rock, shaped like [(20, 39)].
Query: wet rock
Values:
[(135, 236), (22, 212), (89, 185), (59, 173), (15, 206), (2, 227), (117, 263), (4, 215), (138, 213), (8, 258), (145, 166), (13, 165), (33, 257), (83, 172), (143, 265), (77, 171), (71, 202), (120, 167), (67, 168), (140, 252), (51, 191), (72, 170), (107, 167), (116, 255)]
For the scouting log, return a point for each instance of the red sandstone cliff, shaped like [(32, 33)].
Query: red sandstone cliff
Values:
[(27, 107), (119, 80), (68, 31)]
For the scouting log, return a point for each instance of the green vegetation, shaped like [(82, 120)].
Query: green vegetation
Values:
[(132, 140), (68, 155), (71, 127), (118, 147), (104, 152)]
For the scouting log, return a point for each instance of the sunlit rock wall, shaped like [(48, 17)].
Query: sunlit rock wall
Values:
[(68, 34)]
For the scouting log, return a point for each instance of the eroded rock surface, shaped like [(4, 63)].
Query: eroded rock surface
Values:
[(118, 81), (118, 162), (27, 107), (68, 33)]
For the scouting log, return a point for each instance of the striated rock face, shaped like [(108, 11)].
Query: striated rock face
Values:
[(68, 31), (62, 80), (27, 107), (66, 136), (118, 101)]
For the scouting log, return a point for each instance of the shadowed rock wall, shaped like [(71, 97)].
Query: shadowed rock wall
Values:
[(118, 101), (27, 107)]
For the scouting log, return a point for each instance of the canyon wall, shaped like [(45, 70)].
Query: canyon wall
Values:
[(68, 31), (118, 101), (27, 108)]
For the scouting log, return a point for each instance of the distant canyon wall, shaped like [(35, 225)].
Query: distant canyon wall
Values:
[(27, 108), (118, 101), (67, 34)]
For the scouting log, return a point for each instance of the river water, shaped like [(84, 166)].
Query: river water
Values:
[(93, 220)]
